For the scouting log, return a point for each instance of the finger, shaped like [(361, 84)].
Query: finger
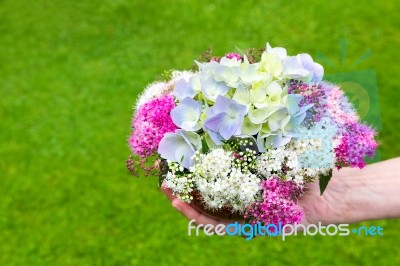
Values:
[(191, 213), (168, 192), (188, 211)]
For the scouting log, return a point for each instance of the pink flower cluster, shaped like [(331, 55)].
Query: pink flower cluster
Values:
[(357, 142), (338, 107), (312, 94), (150, 123), (233, 55), (278, 203)]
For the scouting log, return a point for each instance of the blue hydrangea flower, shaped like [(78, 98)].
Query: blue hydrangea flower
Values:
[(183, 89), (224, 119), (212, 89), (302, 67), (316, 70), (187, 114), (180, 147)]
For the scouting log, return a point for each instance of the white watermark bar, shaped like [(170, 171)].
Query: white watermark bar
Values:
[(249, 231)]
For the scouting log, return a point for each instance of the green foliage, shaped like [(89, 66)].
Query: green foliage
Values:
[(69, 75), (254, 54), (204, 146), (324, 181)]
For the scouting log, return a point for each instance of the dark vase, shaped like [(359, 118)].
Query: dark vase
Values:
[(225, 213)]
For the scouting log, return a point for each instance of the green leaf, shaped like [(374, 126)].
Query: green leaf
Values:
[(205, 147), (323, 181)]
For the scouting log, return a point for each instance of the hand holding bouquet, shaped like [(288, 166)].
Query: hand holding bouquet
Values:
[(241, 136)]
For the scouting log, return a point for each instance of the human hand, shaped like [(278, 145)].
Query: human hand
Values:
[(353, 195), (315, 207), (189, 212)]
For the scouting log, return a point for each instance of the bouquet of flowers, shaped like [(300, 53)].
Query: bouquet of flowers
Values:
[(240, 136)]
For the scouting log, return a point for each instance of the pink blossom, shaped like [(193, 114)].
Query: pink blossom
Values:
[(233, 55), (150, 123), (312, 94), (357, 142), (338, 107), (278, 203)]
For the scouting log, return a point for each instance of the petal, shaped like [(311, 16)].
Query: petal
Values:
[(183, 89), (232, 62), (192, 138), (187, 114), (274, 89), (227, 73), (216, 138), (285, 121), (249, 73), (210, 143), (258, 116), (277, 139), (228, 128), (279, 51), (292, 102), (306, 61), (259, 93), (183, 155), (249, 128), (169, 144), (195, 83), (292, 68), (212, 89), (178, 147), (318, 73), (214, 122), (304, 109), (316, 69), (285, 140), (265, 141), (237, 109), (271, 63), (242, 95), (275, 120)]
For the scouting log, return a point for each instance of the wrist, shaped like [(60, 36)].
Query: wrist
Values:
[(355, 195)]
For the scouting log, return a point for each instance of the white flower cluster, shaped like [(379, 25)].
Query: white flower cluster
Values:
[(282, 162), (222, 184), (180, 184), (217, 162), (158, 88), (151, 92)]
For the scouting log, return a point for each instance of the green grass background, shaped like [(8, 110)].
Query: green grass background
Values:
[(69, 75)]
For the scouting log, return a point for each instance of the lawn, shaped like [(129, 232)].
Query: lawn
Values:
[(69, 75)]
